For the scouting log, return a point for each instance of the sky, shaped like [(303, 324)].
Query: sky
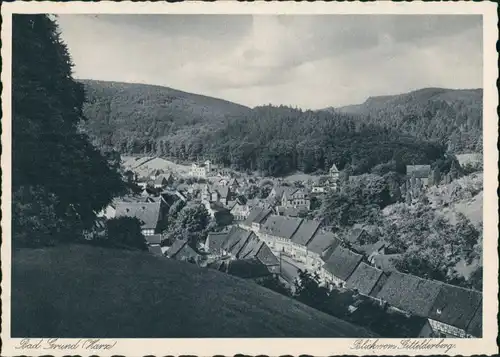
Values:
[(308, 61)]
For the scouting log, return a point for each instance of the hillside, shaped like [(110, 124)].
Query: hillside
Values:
[(82, 291), (452, 117), (115, 111)]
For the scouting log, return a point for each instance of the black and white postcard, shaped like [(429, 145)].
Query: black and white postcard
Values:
[(261, 178)]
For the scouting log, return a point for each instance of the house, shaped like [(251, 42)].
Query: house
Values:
[(419, 172), (234, 184), (154, 174), (236, 240), (240, 212), (366, 280), (363, 234), (256, 218), (162, 181), (295, 197), (334, 178), (201, 170), (339, 266), (318, 246), (277, 232), (180, 250), (302, 236), (156, 250), (250, 269), (151, 215), (256, 249), (410, 294), (214, 243), (370, 250), (454, 310), (291, 211)]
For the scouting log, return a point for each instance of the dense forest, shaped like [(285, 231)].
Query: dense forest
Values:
[(451, 117), (413, 128)]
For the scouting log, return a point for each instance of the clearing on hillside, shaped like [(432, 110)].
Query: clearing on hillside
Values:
[(82, 291)]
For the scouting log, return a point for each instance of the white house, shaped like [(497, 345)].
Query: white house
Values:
[(201, 170)]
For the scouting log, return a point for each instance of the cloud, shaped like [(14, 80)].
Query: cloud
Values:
[(304, 60)]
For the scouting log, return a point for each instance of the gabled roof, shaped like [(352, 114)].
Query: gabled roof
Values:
[(410, 293), (266, 256), (455, 306), (322, 241), (154, 239), (251, 247), (257, 215), (364, 278), (419, 171), (247, 269), (215, 241), (342, 262), (368, 249), (235, 240), (305, 232), (156, 250), (475, 327), (334, 168), (160, 180), (176, 247), (279, 226), (147, 213)]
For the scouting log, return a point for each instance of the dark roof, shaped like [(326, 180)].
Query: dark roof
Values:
[(176, 247), (251, 248), (247, 269), (305, 232), (354, 233), (342, 262), (155, 249), (322, 241), (154, 239), (368, 249), (410, 293), (420, 171), (235, 240), (216, 240), (147, 213), (475, 327), (257, 215), (279, 226), (456, 305), (266, 256), (223, 191), (364, 278)]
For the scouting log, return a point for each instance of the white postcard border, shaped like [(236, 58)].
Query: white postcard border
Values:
[(272, 347)]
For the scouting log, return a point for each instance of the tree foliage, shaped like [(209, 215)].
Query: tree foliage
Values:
[(70, 178), (125, 232)]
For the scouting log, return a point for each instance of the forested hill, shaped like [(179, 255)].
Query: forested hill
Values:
[(134, 118), (118, 111), (450, 117)]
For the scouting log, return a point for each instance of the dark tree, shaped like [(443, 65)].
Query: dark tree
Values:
[(71, 178), (125, 232)]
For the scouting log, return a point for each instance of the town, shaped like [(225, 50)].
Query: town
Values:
[(270, 237), (304, 194)]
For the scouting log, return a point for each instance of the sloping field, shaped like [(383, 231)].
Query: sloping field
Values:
[(145, 165), (82, 291)]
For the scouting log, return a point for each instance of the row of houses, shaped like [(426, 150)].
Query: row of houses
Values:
[(322, 252)]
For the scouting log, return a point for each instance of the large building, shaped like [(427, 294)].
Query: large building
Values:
[(203, 170)]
